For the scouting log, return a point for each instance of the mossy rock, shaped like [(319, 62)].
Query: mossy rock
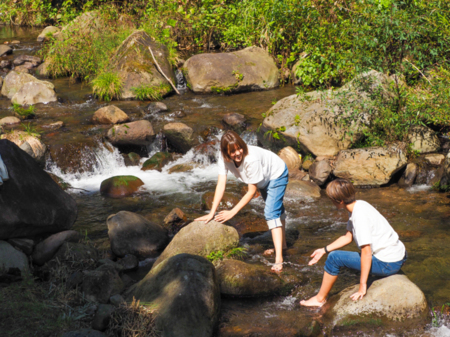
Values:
[(120, 186), (157, 161)]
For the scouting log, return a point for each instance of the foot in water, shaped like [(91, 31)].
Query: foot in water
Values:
[(313, 302), (277, 267)]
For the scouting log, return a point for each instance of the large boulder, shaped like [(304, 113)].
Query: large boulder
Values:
[(48, 31), (201, 239), (394, 298), (245, 70), (14, 81), (120, 186), (131, 233), (46, 249), (302, 190), (238, 278), (423, 139), (180, 136), (110, 115), (11, 258), (34, 92), (135, 133), (31, 203), (292, 159), (29, 143), (312, 121), (184, 295), (136, 67), (372, 166)]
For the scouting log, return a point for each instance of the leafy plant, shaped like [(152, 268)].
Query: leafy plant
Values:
[(237, 253), (107, 86), (25, 113), (216, 255), (276, 134)]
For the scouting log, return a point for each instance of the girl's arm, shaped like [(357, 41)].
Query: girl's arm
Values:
[(227, 215), (366, 263), (220, 189), (339, 243)]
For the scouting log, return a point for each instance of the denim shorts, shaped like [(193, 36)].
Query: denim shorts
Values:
[(273, 195), (339, 258)]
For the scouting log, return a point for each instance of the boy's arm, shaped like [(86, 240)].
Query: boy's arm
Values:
[(220, 190), (339, 243), (366, 263)]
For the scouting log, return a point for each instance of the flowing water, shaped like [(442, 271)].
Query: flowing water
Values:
[(418, 214)]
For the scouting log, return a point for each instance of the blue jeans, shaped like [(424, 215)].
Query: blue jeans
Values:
[(273, 195), (352, 260)]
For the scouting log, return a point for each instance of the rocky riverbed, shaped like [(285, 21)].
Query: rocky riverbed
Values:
[(84, 153)]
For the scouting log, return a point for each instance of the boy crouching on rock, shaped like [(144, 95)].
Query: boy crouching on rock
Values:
[(382, 253)]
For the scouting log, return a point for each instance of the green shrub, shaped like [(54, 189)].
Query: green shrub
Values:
[(107, 86)]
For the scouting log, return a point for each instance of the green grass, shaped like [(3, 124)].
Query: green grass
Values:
[(24, 112), (152, 93), (107, 86)]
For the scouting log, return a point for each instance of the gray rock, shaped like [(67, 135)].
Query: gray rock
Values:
[(24, 245), (408, 177), (84, 333), (201, 239), (110, 115), (134, 133), (319, 171), (21, 59), (245, 70), (22, 70), (235, 121), (185, 294), (129, 262), (46, 249), (5, 50), (302, 190), (372, 166), (14, 81), (102, 317), (11, 258), (100, 284), (157, 107), (131, 233), (43, 69), (180, 136), (34, 92)]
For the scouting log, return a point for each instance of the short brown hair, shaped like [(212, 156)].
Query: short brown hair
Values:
[(341, 190), (231, 141)]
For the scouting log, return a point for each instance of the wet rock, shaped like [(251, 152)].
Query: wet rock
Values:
[(180, 168), (131, 233), (120, 186), (248, 223), (11, 258), (71, 251), (157, 107), (31, 203), (235, 121), (301, 190), (185, 294), (29, 143), (180, 136), (245, 70), (175, 220), (201, 239), (205, 153), (435, 159), (129, 262), (110, 115), (5, 64), (54, 126), (319, 171), (48, 31), (394, 298), (117, 300), (373, 166), (137, 69), (228, 201), (132, 159), (32, 93), (46, 249), (238, 278), (100, 284), (408, 177), (428, 174), (14, 81), (134, 133), (9, 120), (445, 180), (5, 50), (423, 139), (292, 159), (157, 161), (84, 333), (24, 245), (102, 317), (33, 60)]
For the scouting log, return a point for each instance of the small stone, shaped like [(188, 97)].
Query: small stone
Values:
[(9, 121), (15, 42), (11, 258), (54, 126), (319, 171), (157, 107), (157, 161), (435, 159), (100, 284), (409, 175), (110, 115), (102, 317), (307, 164), (129, 262), (117, 300)]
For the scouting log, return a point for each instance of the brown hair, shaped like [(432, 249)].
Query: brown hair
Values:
[(341, 190), (230, 142)]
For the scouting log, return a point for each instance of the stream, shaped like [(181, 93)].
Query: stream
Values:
[(419, 214)]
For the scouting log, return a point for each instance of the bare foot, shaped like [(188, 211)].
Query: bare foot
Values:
[(272, 251), (277, 267), (313, 302)]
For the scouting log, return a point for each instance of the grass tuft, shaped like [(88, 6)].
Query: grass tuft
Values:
[(107, 86)]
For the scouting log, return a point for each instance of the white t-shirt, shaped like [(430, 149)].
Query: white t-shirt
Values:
[(370, 227), (259, 167)]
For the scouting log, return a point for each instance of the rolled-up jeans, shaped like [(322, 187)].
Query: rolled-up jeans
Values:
[(339, 258), (273, 195)]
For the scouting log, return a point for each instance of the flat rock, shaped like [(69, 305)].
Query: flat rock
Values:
[(110, 115), (435, 159)]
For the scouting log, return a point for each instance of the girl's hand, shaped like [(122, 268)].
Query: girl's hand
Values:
[(224, 216), (206, 218), (317, 255), (360, 293)]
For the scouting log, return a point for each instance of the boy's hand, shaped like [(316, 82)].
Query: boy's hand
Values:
[(317, 255), (206, 218)]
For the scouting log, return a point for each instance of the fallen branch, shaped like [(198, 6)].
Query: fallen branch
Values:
[(419, 71), (160, 70)]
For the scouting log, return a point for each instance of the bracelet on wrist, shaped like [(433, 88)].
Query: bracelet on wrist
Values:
[(326, 250)]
